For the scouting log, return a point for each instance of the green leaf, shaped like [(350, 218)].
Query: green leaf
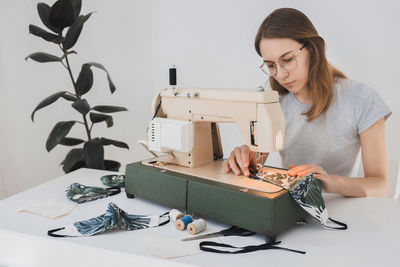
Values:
[(66, 141), (94, 154), (98, 117), (44, 12), (76, 4), (35, 30), (62, 14), (43, 57), (74, 31), (85, 80), (82, 106), (47, 101), (69, 97), (111, 84), (74, 160), (108, 109), (116, 143), (57, 134)]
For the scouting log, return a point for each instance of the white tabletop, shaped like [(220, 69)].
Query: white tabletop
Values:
[(373, 236)]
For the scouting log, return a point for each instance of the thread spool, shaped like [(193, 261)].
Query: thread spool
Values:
[(175, 214), (172, 77), (183, 222), (197, 226)]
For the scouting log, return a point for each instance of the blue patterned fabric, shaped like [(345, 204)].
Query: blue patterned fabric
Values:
[(306, 191), (113, 218), (81, 193)]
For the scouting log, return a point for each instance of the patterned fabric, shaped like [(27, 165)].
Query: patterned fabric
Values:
[(80, 193), (306, 191), (113, 218), (113, 180)]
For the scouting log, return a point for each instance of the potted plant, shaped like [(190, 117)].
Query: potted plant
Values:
[(64, 21)]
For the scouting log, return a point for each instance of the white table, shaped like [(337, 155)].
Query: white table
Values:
[(373, 237)]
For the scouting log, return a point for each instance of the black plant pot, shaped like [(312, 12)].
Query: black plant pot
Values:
[(111, 165)]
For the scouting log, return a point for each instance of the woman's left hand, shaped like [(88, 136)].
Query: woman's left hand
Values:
[(328, 181)]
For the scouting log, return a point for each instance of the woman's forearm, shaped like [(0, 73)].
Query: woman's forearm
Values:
[(361, 187)]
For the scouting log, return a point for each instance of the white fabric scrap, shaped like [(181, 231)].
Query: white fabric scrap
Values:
[(49, 208), (169, 247)]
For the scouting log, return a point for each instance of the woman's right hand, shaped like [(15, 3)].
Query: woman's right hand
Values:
[(240, 160)]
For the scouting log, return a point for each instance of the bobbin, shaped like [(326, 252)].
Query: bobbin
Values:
[(182, 223), (197, 226), (175, 214)]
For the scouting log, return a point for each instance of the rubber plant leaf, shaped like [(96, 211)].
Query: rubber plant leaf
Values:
[(109, 109), (76, 5), (66, 141), (43, 57), (57, 134), (44, 12), (99, 117), (94, 154), (74, 31), (100, 66), (47, 101), (69, 97), (37, 31), (116, 143), (62, 14), (82, 106), (85, 80)]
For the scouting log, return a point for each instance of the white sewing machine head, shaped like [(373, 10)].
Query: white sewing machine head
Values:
[(186, 122)]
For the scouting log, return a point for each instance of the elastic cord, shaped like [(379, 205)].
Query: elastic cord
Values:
[(205, 246), (343, 226), (51, 232)]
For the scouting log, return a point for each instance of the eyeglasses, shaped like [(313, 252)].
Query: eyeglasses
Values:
[(287, 63)]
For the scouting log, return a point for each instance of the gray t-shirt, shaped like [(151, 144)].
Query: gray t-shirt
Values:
[(332, 140)]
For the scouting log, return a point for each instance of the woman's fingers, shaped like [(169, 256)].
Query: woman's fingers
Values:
[(299, 169), (238, 161), (232, 164), (226, 166)]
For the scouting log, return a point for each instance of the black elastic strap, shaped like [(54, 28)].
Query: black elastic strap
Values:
[(343, 226), (51, 232), (167, 221), (206, 246)]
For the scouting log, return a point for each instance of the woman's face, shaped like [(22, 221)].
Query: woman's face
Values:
[(279, 52)]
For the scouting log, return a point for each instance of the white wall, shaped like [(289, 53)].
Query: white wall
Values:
[(210, 42)]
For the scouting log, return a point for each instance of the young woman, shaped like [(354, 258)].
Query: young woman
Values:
[(328, 117)]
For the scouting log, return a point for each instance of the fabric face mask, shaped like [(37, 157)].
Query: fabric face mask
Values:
[(113, 218), (80, 193), (113, 180), (306, 191)]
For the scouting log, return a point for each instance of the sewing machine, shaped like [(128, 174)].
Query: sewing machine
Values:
[(189, 175)]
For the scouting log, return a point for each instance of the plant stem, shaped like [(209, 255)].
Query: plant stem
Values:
[(79, 97)]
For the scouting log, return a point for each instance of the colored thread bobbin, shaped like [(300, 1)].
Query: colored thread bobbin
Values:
[(197, 226), (175, 214), (182, 223)]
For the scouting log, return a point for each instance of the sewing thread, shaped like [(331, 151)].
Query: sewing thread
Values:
[(175, 214), (197, 226), (182, 223)]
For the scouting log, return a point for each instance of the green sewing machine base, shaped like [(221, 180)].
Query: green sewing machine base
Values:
[(264, 213)]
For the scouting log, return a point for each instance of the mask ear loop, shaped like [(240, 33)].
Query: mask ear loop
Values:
[(343, 226), (51, 232), (167, 220)]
